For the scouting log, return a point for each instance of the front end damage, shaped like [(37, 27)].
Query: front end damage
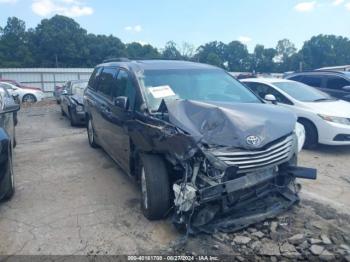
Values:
[(209, 199), (223, 186)]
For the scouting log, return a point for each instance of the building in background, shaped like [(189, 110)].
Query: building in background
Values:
[(45, 78)]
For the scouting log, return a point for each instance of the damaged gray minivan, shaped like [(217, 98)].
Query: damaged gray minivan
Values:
[(204, 148)]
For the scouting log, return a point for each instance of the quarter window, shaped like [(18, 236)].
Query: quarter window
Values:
[(335, 82)]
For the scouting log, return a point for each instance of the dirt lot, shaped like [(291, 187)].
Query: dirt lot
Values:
[(72, 199)]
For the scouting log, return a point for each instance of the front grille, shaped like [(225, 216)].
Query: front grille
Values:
[(248, 160)]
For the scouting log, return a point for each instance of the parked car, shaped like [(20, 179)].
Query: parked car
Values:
[(72, 104), (25, 95), (8, 108), (326, 119), (20, 85), (334, 83), (57, 93), (200, 143)]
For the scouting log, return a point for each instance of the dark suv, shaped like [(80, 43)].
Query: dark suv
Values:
[(335, 83), (202, 145)]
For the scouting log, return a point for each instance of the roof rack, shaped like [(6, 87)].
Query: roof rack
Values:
[(116, 59)]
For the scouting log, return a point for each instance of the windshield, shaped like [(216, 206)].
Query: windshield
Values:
[(212, 85), (78, 88), (303, 92)]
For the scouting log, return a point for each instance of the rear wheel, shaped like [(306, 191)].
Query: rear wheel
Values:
[(311, 139), (91, 134), (155, 189), (29, 98), (10, 183)]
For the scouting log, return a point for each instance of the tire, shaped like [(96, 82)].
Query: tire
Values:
[(155, 188), (91, 134), (29, 98), (10, 184), (311, 139), (71, 119)]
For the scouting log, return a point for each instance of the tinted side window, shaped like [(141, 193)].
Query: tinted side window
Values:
[(335, 82), (315, 81), (94, 78), (125, 87), (262, 90), (107, 81)]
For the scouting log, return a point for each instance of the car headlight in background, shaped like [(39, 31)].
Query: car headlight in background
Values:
[(335, 119), (300, 133), (80, 108)]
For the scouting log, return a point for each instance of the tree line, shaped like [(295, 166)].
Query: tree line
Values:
[(61, 42)]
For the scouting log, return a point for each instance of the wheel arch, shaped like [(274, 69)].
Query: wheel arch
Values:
[(304, 119)]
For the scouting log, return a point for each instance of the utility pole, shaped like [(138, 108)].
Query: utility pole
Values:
[(300, 66)]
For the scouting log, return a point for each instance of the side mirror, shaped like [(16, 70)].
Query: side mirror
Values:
[(271, 98), (122, 102), (346, 88), (64, 92)]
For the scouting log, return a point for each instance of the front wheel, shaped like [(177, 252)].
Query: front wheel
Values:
[(29, 98), (311, 135), (155, 189), (91, 134)]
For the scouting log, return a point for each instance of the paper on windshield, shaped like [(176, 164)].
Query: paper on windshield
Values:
[(161, 91)]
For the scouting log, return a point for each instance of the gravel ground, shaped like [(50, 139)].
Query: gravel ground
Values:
[(72, 199)]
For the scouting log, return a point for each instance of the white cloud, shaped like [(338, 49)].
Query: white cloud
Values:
[(71, 8), (136, 28), (305, 6), (338, 2), (347, 6), (8, 1), (244, 39)]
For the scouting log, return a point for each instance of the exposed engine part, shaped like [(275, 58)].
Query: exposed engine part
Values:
[(185, 197)]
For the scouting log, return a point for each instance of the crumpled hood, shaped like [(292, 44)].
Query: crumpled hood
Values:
[(223, 124), (78, 99)]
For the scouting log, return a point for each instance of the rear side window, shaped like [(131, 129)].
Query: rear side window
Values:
[(125, 87), (107, 81), (315, 81), (93, 81), (336, 82)]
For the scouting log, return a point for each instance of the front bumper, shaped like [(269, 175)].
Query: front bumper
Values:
[(236, 204), (328, 133)]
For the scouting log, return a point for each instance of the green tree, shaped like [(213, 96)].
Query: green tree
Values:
[(212, 53), (262, 60), (171, 52), (60, 39), (14, 48), (286, 51), (136, 50), (325, 50), (103, 47), (237, 57)]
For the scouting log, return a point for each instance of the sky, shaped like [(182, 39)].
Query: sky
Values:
[(194, 21)]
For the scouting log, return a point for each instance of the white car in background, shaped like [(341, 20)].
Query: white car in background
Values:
[(326, 119), (25, 94)]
